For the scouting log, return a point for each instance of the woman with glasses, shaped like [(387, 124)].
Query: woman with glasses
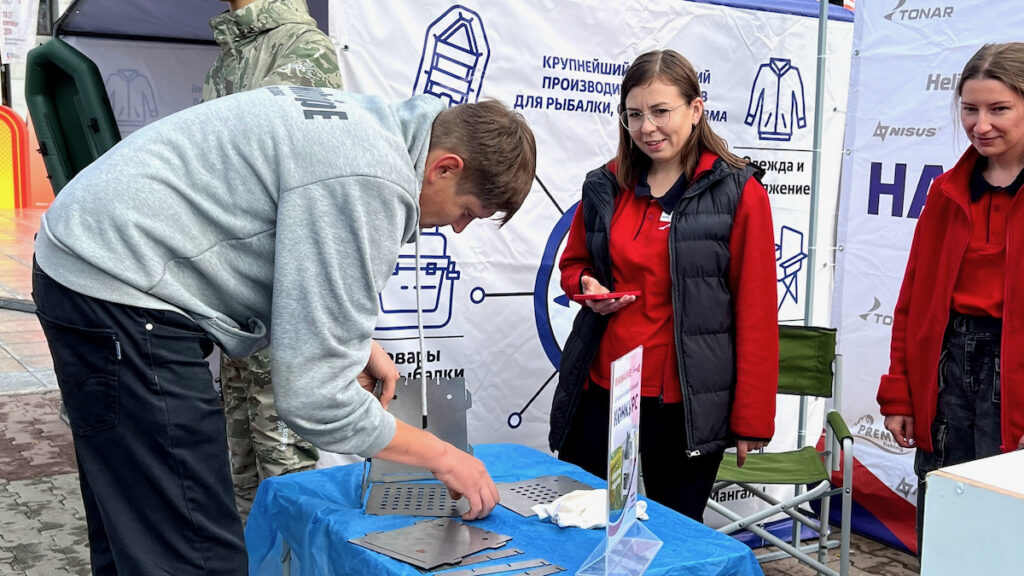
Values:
[(685, 222)]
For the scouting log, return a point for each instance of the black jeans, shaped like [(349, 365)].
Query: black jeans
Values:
[(967, 418), (670, 477), (149, 436)]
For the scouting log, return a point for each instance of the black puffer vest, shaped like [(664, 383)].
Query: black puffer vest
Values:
[(703, 320)]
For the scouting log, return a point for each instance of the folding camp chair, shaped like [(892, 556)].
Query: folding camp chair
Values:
[(806, 358)]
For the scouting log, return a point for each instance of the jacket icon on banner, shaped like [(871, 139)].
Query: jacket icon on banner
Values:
[(454, 57), (777, 100), (132, 97)]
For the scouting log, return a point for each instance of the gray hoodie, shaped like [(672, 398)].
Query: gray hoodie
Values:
[(281, 208)]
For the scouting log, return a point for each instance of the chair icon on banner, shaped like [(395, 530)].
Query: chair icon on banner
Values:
[(789, 261)]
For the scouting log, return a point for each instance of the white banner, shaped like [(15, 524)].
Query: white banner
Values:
[(901, 133), (147, 80), (496, 313), (17, 29)]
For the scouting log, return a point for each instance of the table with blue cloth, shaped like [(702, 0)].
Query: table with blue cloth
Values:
[(317, 512)]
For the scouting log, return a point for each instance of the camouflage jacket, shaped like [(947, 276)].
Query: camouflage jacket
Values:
[(270, 42)]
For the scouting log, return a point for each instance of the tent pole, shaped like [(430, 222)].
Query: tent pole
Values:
[(812, 229), (819, 98)]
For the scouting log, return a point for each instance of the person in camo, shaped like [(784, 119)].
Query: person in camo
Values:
[(264, 43)]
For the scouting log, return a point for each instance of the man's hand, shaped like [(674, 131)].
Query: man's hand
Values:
[(466, 476), (745, 446), (463, 474), (381, 369), (902, 429)]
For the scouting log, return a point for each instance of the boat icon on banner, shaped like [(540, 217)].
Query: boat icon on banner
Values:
[(454, 58)]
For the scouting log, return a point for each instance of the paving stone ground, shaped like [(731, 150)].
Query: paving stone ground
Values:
[(42, 524)]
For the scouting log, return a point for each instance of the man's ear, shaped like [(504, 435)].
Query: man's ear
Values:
[(446, 165)]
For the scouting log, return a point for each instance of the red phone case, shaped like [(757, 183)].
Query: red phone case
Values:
[(585, 297)]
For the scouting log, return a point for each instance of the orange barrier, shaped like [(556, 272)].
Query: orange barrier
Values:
[(13, 160)]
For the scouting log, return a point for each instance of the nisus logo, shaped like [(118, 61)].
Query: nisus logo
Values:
[(931, 13), (882, 131)]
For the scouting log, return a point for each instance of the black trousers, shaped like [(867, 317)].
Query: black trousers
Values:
[(670, 477), (968, 415), (149, 436)]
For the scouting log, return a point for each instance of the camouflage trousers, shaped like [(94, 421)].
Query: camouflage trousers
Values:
[(260, 443)]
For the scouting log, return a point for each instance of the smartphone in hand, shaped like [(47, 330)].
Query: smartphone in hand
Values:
[(605, 296)]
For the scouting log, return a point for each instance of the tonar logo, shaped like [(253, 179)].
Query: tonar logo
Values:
[(882, 131), (930, 13), (898, 6), (873, 317)]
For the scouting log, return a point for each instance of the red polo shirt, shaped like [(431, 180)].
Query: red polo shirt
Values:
[(640, 261), (980, 282)]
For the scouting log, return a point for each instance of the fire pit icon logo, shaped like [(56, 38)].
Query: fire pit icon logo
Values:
[(438, 273)]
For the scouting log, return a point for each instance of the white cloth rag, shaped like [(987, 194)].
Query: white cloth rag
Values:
[(582, 508)]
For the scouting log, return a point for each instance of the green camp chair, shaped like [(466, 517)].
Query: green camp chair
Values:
[(70, 110), (806, 358)]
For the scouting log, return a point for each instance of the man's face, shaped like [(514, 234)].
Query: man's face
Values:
[(441, 204)]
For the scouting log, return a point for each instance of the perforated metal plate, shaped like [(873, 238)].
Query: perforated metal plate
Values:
[(411, 499), (521, 496), (447, 403), (431, 543)]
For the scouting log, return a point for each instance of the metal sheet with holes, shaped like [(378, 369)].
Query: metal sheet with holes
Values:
[(447, 404), (431, 543), (523, 495), (410, 499)]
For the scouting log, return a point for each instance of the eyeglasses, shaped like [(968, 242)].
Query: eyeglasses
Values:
[(634, 119)]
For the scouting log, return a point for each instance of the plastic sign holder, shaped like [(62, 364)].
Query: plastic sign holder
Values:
[(628, 547)]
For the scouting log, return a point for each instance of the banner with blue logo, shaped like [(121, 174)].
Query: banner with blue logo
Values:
[(494, 311), (901, 133), (145, 80)]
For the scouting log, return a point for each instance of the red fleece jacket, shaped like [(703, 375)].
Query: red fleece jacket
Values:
[(922, 311)]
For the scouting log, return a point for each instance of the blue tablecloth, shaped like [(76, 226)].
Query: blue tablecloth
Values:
[(317, 512)]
